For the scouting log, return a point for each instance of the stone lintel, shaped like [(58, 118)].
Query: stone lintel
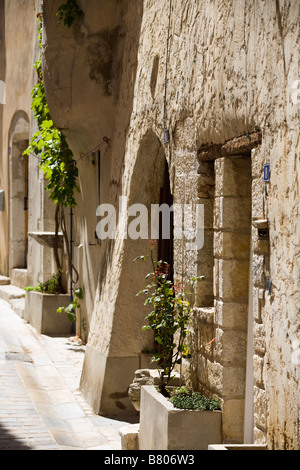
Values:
[(241, 145)]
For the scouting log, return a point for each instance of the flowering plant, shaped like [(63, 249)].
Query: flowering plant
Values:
[(168, 319)]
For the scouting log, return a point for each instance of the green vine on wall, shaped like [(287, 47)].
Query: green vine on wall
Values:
[(50, 145), (69, 12), (57, 162)]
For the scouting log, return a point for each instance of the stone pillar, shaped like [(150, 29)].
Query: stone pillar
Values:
[(232, 234)]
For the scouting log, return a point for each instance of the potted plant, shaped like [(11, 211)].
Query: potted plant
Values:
[(169, 318), (41, 305), (180, 420)]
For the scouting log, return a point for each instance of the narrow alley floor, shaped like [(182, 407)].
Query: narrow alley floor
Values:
[(41, 406)]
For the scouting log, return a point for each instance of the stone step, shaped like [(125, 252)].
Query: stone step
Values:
[(19, 277), (4, 281), (10, 292)]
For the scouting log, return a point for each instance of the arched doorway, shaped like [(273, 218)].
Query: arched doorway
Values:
[(122, 345), (19, 192)]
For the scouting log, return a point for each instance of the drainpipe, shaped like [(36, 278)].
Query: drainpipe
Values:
[(71, 262), (71, 253)]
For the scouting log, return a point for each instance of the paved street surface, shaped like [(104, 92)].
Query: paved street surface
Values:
[(41, 406)]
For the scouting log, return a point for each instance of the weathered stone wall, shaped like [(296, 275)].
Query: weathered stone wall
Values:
[(231, 69)]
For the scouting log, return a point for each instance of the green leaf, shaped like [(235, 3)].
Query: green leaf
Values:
[(71, 317), (79, 293)]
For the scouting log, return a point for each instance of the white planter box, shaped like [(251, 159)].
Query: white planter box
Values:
[(40, 312), (163, 427)]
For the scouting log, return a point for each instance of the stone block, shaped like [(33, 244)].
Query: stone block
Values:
[(4, 281), (233, 280), (232, 213), (231, 244), (191, 188), (208, 205), (233, 420), (19, 278), (234, 381), (231, 315), (204, 293), (257, 160), (210, 374), (9, 292), (205, 260), (206, 339), (234, 345), (260, 437), (259, 340), (257, 303), (258, 274), (258, 198), (258, 370), (185, 163), (204, 315), (260, 408), (146, 377), (130, 437), (233, 176)]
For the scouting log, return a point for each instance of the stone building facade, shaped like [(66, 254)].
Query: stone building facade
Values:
[(223, 79)]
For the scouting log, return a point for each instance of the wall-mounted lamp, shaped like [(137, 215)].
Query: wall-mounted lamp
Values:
[(166, 136)]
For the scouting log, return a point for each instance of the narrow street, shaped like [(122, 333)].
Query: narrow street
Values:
[(41, 406)]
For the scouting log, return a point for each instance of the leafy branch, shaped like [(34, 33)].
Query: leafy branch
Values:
[(168, 319), (69, 12), (70, 310)]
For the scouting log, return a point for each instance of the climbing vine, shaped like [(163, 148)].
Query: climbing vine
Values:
[(69, 12), (50, 145), (57, 162)]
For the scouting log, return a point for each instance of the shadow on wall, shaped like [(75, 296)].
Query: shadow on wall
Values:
[(146, 183), (104, 171)]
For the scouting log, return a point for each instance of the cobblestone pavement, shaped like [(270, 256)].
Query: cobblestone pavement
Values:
[(41, 406)]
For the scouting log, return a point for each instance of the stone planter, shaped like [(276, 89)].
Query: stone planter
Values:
[(163, 427), (40, 312)]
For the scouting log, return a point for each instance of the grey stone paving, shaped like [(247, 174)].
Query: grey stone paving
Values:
[(41, 406)]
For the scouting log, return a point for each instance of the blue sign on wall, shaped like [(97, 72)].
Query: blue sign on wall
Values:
[(267, 172)]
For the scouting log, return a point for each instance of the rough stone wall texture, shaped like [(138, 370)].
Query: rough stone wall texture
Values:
[(17, 45), (231, 70)]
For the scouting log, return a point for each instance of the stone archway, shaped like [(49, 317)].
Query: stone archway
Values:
[(107, 373), (18, 193)]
